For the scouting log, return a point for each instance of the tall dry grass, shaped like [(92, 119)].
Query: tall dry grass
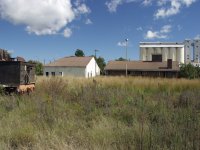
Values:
[(103, 113)]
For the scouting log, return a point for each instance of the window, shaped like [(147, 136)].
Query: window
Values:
[(47, 74), (53, 73), (61, 74)]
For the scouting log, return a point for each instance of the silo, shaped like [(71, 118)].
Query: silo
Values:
[(173, 53), (178, 55), (158, 50), (150, 52), (182, 55), (144, 58), (141, 53), (165, 53)]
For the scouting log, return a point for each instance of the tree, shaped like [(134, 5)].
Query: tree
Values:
[(38, 67), (189, 71), (101, 63), (120, 59), (79, 53)]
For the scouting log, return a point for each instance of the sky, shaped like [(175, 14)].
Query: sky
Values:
[(46, 30)]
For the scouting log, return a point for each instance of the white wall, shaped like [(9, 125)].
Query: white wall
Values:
[(66, 71), (90, 69)]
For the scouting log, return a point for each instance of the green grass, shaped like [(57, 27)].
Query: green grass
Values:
[(105, 113)]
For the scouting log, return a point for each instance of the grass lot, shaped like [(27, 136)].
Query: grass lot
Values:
[(105, 113)]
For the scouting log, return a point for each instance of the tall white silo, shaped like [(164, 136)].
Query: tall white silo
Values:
[(173, 53), (164, 53), (141, 53), (178, 51), (144, 58), (182, 55), (149, 53), (159, 50)]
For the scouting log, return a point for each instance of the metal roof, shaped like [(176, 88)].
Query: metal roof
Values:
[(141, 66), (70, 62)]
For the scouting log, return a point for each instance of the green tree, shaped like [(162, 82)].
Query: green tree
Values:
[(101, 63), (38, 67), (79, 53), (120, 59), (189, 71)]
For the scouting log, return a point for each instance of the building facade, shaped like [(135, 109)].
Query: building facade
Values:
[(73, 66), (162, 52), (169, 69), (185, 52)]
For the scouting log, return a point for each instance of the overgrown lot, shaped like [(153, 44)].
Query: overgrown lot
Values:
[(103, 113)]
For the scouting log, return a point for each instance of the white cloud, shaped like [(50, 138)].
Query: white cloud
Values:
[(88, 21), (197, 37), (175, 7), (139, 29), (166, 8), (67, 32), (162, 34), (121, 44), (41, 17), (166, 29), (113, 4), (82, 9), (147, 2)]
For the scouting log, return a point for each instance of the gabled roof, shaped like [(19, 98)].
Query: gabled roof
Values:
[(141, 66), (70, 62)]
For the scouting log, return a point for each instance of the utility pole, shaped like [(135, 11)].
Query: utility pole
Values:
[(126, 40), (95, 51)]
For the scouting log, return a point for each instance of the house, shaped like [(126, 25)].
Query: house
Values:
[(73, 66), (168, 68)]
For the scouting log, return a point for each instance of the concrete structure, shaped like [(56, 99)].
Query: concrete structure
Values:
[(188, 48), (73, 66), (196, 51), (140, 68), (174, 51), (186, 52)]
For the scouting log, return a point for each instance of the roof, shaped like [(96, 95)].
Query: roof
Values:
[(141, 66), (161, 43), (70, 62)]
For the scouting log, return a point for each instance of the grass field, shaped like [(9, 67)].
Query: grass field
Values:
[(105, 113)]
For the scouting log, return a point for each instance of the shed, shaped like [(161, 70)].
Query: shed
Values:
[(140, 68), (73, 66)]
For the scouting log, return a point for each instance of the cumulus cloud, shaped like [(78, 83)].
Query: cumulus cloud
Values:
[(162, 34), (113, 4), (41, 17), (175, 7), (88, 21), (67, 32), (166, 8)]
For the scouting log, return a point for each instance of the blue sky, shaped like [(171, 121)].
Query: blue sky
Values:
[(50, 29)]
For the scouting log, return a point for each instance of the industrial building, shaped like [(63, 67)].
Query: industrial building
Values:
[(185, 52), (162, 52), (73, 66)]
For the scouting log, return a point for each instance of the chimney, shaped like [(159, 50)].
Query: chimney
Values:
[(169, 63)]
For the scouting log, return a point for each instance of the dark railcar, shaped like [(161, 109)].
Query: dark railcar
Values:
[(17, 74)]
